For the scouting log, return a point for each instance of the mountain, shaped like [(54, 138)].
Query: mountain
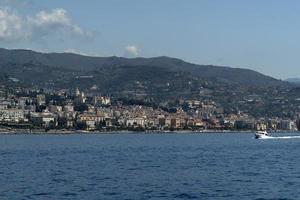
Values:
[(120, 74)]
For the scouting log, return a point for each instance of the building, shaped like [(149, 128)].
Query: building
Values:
[(245, 124), (69, 108), (45, 119), (102, 100), (135, 121), (3, 105), (92, 120), (261, 126), (288, 125), (77, 92), (23, 101), (41, 99), (12, 115), (55, 109)]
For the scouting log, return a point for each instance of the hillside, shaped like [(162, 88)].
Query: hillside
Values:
[(118, 74)]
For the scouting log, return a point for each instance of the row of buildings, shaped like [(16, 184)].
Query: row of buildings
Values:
[(100, 113)]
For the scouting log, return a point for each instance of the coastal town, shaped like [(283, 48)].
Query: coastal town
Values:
[(34, 110)]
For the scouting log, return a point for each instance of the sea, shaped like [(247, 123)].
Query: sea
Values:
[(149, 166)]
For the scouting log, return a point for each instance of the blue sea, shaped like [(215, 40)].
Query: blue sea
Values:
[(149, 166)]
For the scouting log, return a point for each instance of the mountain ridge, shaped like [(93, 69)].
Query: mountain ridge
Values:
[(20, 62)]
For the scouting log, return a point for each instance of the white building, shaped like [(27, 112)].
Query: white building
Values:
[(12, 115), (288, 125), (44, 119), (41, 99), (69, 108), (55, 109), (136, 121)]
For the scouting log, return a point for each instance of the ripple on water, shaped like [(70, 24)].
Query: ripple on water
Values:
[(185, 196), (211, 166)]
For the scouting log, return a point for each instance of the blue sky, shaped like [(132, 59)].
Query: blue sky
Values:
[(256, 34)]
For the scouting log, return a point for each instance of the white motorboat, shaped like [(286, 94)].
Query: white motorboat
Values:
[(261, 135)]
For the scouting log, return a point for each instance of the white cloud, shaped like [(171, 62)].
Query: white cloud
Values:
[(11, 26), (56, 20), (14, 27), (131, 51)]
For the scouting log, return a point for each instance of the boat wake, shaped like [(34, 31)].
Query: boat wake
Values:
[(279, 137)]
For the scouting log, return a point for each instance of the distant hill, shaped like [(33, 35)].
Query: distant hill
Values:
[(293, 80), (118, 73)]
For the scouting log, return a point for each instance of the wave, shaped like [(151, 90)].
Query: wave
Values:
[(280, 137)]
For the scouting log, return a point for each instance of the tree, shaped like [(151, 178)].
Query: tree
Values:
[(101, 124), (80, 107), (81, 126), (62, 122)]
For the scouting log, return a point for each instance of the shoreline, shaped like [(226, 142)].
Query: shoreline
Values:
[(84, 132)]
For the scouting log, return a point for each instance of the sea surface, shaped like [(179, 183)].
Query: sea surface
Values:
[(149, 166)]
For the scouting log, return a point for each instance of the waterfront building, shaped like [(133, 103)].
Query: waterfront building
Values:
[(288, 125), (261, 125), (12, 115), (136, 121), (45, 119), (91, 117)]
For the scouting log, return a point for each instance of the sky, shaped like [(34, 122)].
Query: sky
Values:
[(263, 35)]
